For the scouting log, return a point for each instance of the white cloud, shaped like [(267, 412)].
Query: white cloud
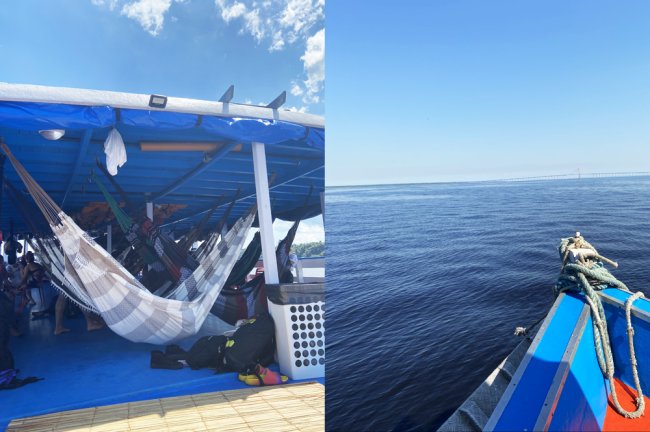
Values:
[(149, 13), (278, 42), (254, 25), (280, 23), (302, 109), (314, 64), (281, 26), (235, 10), (251, 17), (296, 90), (112, 4), (310, 230), (299, 16), (283, 23)]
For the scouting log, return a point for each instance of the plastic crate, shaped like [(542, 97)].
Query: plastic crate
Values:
[(298, 311)]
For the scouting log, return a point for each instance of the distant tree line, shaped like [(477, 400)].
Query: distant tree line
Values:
[(308, 250)]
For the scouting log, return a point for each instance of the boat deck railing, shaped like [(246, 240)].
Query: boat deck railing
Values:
[(315, 269)]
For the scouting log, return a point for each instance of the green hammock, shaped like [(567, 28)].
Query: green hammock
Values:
[(154, 257)]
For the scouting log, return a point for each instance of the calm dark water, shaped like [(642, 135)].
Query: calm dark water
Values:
[(426, 283)]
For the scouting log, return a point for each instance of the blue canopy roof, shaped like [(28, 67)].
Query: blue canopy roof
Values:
[(180, 158)]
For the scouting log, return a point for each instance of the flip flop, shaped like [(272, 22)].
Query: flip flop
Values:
[(263, 376), (243, 377)]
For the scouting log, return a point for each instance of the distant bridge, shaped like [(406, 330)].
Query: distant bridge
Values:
[(575, 176)]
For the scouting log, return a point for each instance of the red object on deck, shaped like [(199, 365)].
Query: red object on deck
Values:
[(616, 422)]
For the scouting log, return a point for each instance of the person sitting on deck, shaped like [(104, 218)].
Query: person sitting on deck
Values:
[(9, 282), (33, 282), (13, 275), (8, 379), (19, 267), (22, 262)]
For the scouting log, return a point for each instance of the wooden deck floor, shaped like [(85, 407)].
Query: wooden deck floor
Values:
[(298, 407)]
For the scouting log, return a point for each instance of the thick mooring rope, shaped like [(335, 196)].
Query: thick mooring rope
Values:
[(588, 274)]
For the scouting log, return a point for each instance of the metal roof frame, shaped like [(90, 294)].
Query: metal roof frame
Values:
[(193, 178)]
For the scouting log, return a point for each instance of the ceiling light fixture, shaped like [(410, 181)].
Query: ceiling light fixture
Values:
[(52, 134), (157, 101)]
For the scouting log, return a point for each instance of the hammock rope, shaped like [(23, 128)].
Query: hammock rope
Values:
[(118, 188), (53, 259), (248, 298), (184, 244), (283, 252), (587, 274), (140, 244), (246, 262), (76, 295), (153, 245), (195, 233), (126, 306), (122, 218), (51, 266)]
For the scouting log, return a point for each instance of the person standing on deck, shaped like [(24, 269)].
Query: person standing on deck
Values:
[(6, 323), (12, 248), (9, 281)]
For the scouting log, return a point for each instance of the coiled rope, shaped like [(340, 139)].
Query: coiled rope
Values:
[(583, 270)]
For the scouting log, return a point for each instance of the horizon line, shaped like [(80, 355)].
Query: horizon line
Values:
[(572, 176)]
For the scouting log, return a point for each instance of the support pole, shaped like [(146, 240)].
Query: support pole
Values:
[(299, 272), (109, 238), (149, 210), (2, 186), (264, 214), (322, 205)]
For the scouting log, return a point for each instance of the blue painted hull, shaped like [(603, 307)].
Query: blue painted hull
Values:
[(558, 384)]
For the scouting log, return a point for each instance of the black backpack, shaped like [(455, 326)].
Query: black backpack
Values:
[(207, 352), (252, 344)]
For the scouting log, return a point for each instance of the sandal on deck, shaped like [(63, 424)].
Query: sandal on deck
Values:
[(263, 376)]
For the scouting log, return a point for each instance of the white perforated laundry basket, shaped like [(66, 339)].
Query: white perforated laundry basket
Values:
[(298, 311)]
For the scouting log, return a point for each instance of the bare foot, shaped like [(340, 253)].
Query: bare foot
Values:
[(95, 325), (61, 330)]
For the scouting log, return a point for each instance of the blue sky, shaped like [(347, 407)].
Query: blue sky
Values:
[(185, 48), (463, 90), (189, 48)]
